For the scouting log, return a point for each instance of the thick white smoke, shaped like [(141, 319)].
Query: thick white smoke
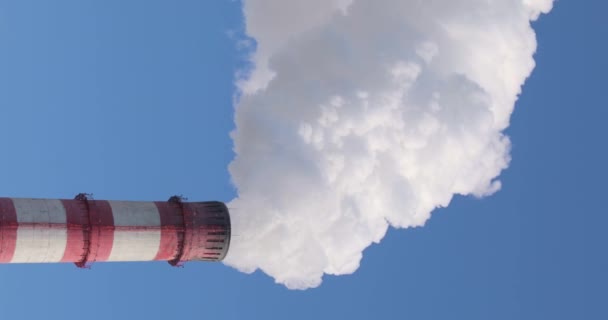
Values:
[(360, 115)]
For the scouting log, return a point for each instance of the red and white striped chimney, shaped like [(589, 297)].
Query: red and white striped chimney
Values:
[(84, 231)]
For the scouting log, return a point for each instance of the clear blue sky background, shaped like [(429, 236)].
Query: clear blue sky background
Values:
[(133, 100)]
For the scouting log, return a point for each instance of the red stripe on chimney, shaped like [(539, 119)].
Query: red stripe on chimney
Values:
[(8, 229), (172, 226)]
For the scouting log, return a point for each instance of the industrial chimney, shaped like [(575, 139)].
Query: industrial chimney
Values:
[(84, 231)]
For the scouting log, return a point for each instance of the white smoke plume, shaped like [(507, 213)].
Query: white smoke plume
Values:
[(359, 115)]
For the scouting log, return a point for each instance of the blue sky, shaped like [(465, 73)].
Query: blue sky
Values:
[(134, 101)]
